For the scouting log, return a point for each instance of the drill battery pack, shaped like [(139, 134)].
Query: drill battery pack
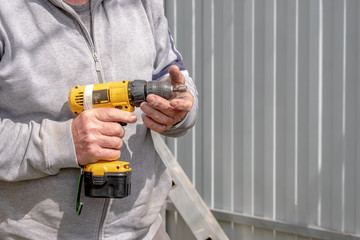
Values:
[(107, 179), (109, 185)]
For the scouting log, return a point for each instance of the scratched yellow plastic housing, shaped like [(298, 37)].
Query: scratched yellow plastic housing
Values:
[(100, 167), (104, 95)]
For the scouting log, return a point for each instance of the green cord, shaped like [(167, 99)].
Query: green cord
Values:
[(79, 204)]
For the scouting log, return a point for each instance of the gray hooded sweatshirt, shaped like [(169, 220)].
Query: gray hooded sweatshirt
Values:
[(45, 50)]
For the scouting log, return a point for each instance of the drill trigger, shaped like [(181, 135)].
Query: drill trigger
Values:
[(122, 124)]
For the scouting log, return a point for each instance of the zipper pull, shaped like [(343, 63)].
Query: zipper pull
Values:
[(97, 63)]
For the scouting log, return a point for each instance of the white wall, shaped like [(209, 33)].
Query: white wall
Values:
[(279, 127)]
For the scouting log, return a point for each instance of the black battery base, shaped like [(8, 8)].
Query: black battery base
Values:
[(111, 185)]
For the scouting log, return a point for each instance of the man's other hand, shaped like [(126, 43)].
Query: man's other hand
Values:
[(161, 114)]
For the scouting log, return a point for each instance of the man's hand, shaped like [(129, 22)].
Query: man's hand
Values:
[(162, 114), (97, 135)]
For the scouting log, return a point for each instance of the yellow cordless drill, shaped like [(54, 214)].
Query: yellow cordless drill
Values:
[(112, 179)]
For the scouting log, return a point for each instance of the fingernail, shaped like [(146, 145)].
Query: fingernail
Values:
[(133, 118)]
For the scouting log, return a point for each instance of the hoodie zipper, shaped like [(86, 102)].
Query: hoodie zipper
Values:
[(97, 63), (103, 216), (91, 44), (90, 40), (98, 70)]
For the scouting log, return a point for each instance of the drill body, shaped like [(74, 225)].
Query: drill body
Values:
[(124, 95), (112, 179)]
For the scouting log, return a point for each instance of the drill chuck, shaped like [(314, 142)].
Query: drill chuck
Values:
[(140, 89)]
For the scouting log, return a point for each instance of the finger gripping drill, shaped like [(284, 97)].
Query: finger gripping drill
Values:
[(112, 179)]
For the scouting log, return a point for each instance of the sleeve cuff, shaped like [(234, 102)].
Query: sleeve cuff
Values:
[(59, 146)]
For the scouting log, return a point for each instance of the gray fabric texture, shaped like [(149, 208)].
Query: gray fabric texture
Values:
[(161, 234), (45, 50)]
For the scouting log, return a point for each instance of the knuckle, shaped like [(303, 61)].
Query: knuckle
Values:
[(120, 131), (88, 139), (88, 127), (168, 108), (161, 128), (155, 103), (95, 152), (111, 114), (156, 116), (116, 143), (121, 143), (115, 155), (85, 116), (122, 134), (106, 114)]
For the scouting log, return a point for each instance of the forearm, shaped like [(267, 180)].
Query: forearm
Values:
[(33, 150)]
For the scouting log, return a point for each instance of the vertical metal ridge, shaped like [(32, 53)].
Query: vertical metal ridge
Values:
[(296, 102), (320, 116), (344, 118), (232, 91), (252, 107), (275, 111), (175, 20), (212, 104), (193, 56)]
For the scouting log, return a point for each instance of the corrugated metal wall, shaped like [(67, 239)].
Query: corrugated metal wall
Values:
[(279, 127)]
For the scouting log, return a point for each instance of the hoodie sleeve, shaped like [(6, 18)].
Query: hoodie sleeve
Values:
[(168, 55), (30, 151), (1, 44), (33, 149), (1, 49)]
